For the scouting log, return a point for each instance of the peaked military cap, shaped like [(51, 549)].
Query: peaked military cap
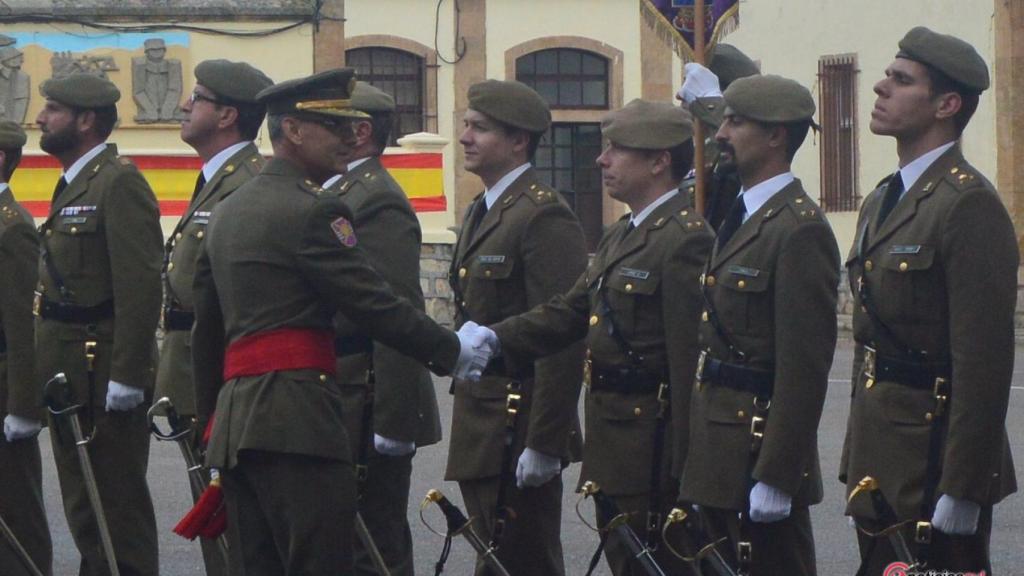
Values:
[(729, 64), (81, 91), (770, 98), (237, 81), (947, 54), (324, 93), (12, 135), (369, 98), (512, 103), (648, 125)]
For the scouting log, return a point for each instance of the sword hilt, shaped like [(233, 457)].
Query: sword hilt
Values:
[(179, 427), (59, 397)]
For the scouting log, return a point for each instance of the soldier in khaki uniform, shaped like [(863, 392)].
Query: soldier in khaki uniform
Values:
[(934, 273), (99, 289), (520, 245), (638, 307), (21, 474), (263, 342), (767, 335), (398, 406), (221, 120), (702, 93)]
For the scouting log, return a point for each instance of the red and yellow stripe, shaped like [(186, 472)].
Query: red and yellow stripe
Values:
[(173, 179)]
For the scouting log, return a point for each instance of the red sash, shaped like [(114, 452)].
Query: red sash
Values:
[(283, 349)]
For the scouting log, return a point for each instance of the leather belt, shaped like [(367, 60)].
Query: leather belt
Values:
[(626, 380), (913, 373), (349, 345), (497, 367), (3, 343), (173, 319), (282, 349), (760, 383), (71, 313)]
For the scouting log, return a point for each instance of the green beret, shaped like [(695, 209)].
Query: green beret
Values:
[(369, 98), (770, 98), (947, 54), (11, 135), (729, 64), (324, 93), (81, 91), (236, 81), (512, 103), (648, 125)]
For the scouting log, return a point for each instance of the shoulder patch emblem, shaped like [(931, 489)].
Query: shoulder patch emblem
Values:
[(344, 231)]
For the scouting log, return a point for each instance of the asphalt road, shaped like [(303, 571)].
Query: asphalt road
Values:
[(836, 548)]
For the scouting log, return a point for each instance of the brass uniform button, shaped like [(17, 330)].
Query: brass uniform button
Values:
[(637, 411), (869, 383), (741, 414), (199, 234), (629, 287), (462, 272), (49, 232), (177, 236), (594, 320), (323, 377), (903, 266), (170, 266), (741, 284), (928, 417), (487, 273), (684, 212), (709, 281), (704, 316), (799, 200), (869, 265)]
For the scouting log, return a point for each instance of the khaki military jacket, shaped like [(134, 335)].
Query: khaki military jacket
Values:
[(527, 248), (299, 266), (20, 392), (405, 405), (649, 279), (942, 273), (103, 234), (174, 373), (774, 287)]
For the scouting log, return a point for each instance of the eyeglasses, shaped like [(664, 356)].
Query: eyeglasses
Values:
[(196, 96)]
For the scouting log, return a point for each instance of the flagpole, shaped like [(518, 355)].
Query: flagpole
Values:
[(698, 128)]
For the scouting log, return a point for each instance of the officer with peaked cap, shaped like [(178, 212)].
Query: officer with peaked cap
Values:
[(221, 120), (99, 289), (767, 336), (390, 416), (702, 93), (263, 341), (638, 308), (933, 271), (520, 245), (21, 498)]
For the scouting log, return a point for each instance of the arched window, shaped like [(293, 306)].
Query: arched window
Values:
[(398, 73), (566, 77)]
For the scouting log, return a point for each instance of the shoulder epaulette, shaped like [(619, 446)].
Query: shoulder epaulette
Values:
[(311, 187), (963, 176), (8, 214), (689, 220), (541, 194), (804, 208)]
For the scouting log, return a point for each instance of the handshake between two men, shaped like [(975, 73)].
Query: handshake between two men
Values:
[(479, 344)]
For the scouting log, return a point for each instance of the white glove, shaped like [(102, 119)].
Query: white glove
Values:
[(389, 447), (477, 348), (536, 468), (956, 516), (769, 504), (122, 398), (20, 428), (699, 83)]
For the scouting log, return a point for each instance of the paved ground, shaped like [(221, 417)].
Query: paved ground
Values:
[(835, 541)]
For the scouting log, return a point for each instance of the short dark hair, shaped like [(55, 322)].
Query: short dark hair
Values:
[(533, 142), (106, 119), (382, 123), (12, 157), (682, 159), (796, 133), (250, 118), (942, 84)]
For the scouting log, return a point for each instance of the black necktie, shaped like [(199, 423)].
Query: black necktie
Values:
[(61, 185), (732, 221), (200, 182), (892, 196), (629, 228)]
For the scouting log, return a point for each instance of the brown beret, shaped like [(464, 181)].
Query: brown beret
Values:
[(947, 54), (770, 98), (648, 125), (325, 93), (729, 64), (512, 103), (368, 98), (237, 81), (12, 135), (81, 91)]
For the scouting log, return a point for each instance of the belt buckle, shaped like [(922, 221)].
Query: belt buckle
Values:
[(870, 360), (744, 553), (940, 396), (37, 303), (923, 532)]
